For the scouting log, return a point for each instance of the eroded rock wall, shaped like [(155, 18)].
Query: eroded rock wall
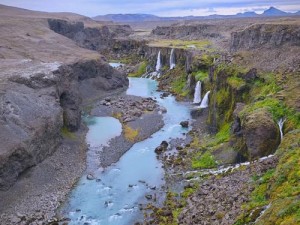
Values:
[(187, 31), (265, 35), (34, 109), (95, 38)]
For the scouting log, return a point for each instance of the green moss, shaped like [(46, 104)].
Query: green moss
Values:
[(279, 188), (277, 109), (204, 161), (188, 192), (178, 85), (236, 82), (222, 95), (224, 133), (265, 87), (67, 134), (232, 70), (141, 70), (201, 75)]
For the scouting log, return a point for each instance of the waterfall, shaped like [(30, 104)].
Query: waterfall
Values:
[(158, 63), (197, 94), (172, 59), (204, 103), (280, 124)]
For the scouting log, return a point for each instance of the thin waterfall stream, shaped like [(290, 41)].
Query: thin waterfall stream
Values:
[(197, 94)]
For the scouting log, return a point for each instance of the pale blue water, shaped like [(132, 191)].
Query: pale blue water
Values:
[(116, 64), (111, 201)]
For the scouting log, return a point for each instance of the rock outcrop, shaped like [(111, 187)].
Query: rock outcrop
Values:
[(199, 31), (218, 200), (261, 134), (265, 35), (95, 38), (34, 107)]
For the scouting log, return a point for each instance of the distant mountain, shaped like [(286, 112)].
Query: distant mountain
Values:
[(272, 11), (127, 17), (247, 14)]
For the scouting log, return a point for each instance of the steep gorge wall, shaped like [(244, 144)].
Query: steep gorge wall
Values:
[(253, 135), (265, 35), (190, 32), (35, 108), (93, 38)]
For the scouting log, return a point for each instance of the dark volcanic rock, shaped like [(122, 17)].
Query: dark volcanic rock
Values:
[(184, 124), (33, 113), (270, 35), (100, 38), (187, 31), (162, 147), (195, 113)]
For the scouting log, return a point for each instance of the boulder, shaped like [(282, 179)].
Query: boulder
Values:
[(162, 147), (261, 134), (184, 124), (195, 113)]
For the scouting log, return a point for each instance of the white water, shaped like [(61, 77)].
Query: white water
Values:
[(116, 64), (221, 169), (172, 59), (280, 124), (158, 63), (204, 103), (197, 94), (113, 197)]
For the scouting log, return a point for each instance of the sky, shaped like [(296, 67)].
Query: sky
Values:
[(157, 7)]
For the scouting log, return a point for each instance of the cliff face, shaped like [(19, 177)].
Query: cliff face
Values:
[(35, 107), (45, 78), (189, 31), (94, 38), (265, 35)]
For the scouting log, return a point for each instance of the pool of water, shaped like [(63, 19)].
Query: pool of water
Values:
[(113, 197), (116, 64)]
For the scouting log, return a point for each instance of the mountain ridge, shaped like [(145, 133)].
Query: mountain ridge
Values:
[(270, 12)]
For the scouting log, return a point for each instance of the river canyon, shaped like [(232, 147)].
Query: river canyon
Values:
[(148, 122)]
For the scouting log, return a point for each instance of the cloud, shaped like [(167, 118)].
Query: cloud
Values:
[(157, 7)]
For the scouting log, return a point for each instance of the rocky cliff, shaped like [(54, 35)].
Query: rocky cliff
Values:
[(45, 79), (265, 35), (190, 32), (98, 38), (35, 107)]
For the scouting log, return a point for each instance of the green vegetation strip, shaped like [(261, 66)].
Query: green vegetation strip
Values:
[(181, 44)]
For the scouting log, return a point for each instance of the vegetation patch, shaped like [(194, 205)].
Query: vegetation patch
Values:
[(130, 134), (178, 82), (201, 75), (278, 188), (181, 44), (141, 70), (204, 161), (236, 82), (67, 134), (278, 110)]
